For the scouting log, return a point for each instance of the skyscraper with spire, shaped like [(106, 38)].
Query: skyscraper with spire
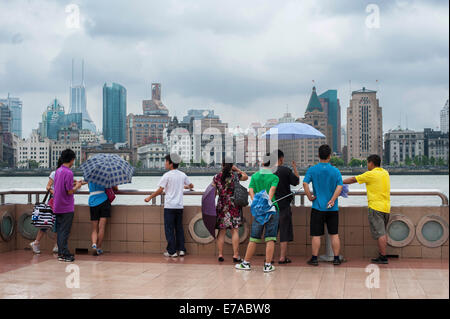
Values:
[(78, 100)]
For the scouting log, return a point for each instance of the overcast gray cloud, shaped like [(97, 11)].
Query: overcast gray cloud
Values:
[(247, 60)]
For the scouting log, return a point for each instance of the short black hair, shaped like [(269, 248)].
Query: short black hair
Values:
[(67, 156), (173, 159), (374, 159), (280, 154), (324, 151), (266, 160)]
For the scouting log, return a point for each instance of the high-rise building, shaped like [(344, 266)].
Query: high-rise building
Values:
[(15, 106), (5, 118), (332, 108), (149, 127), (54, 119), (364, 125), (444, 118), (78, 102), (305, 151), (114, 113)]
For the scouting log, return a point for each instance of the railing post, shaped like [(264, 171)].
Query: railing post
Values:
[(37, 198), (2, 199), (162, 199), (329, 254), (29, 199)]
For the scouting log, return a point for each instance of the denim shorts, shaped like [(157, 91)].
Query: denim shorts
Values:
[(271, 229)]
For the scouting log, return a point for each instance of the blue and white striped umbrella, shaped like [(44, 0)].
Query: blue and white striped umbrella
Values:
[(107, 170)]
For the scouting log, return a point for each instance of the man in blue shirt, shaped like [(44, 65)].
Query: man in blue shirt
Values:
[(327, 185)]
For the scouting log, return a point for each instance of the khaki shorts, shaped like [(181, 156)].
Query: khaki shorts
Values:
[(378, 222)]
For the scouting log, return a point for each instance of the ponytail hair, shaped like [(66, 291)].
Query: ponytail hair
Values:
[(226, 169), (60, 162)]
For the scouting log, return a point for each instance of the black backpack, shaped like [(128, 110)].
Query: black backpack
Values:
[(240, 195)]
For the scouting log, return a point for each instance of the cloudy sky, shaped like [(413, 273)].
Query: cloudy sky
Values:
[(248, 60)]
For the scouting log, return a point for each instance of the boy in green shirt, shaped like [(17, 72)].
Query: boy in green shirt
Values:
[(266, 180)]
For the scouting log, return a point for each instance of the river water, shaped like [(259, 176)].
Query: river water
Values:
[(440, 182)]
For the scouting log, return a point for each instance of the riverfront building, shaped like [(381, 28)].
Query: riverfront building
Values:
[(114, 113), (57, 147), (152, 155), (436, 144), (201, 136), (401, 144), (35, 149), (364, 125)]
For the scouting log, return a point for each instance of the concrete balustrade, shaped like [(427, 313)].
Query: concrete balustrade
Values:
[(140, 229)]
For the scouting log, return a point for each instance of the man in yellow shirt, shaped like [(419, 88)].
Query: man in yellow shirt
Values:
[(379, 201)]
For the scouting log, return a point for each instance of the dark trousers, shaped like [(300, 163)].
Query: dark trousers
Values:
[(63, 226), (173, 227)]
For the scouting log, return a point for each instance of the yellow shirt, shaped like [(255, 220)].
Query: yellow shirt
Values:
[(378, 189)]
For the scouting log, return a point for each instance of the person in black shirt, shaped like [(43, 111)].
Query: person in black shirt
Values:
[(287, 178)]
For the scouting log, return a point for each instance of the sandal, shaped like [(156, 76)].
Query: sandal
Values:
[(285, 261), (220, 259), (237, 260)]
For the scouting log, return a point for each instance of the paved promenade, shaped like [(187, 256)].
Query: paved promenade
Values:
[(24, 275)]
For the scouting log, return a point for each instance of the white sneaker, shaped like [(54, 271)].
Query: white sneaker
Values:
[(269, 268), (35, 247), (94, 248), (243, 266), (181, 253), (166, 254), (55, 249)]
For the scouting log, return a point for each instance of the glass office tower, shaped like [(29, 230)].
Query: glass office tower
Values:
[(114, 113)]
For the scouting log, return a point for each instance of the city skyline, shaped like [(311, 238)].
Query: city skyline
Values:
[(176, 46)]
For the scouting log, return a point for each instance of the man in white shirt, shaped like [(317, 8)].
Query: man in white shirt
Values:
[(173, 183)]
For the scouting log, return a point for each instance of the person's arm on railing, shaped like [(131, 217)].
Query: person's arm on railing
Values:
[(158, 192), (350, 180), (75, 188)]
